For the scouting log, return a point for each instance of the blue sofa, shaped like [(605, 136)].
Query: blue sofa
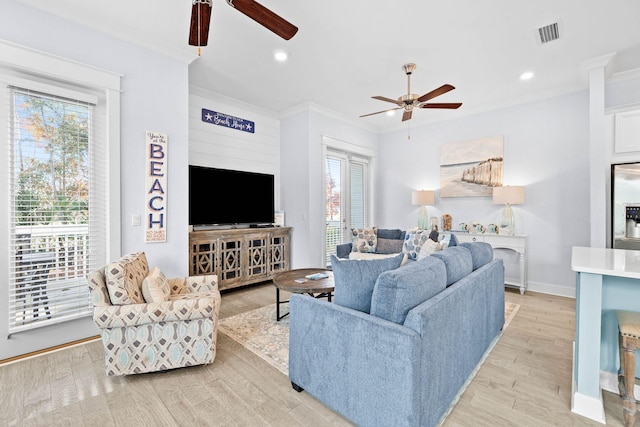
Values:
[(403, 364), (390, 241)]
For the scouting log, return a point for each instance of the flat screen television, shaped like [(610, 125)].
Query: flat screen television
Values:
[(229, 197)]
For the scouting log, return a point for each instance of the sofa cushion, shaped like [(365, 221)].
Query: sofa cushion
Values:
[(155, 287), (364, 239), (414, 241), (393, 234), (457, 260), (354, 280), (396, 292), (367, 256), (389, 246), (481, 253), (124, 279)]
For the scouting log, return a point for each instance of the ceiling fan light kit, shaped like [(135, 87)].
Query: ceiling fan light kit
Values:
[(201, 18), (411, 100)]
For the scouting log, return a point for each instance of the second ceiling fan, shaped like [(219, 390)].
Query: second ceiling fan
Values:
[(411, 100), (201, 18)]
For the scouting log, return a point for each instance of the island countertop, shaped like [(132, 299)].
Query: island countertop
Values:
[(605, 261)]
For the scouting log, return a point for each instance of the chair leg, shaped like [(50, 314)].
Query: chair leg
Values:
[(629, 403), (621, 370)]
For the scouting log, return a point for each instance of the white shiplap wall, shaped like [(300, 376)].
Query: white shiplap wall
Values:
[(220, 147)]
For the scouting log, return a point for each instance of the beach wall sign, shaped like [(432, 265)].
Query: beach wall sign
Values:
[(228, 121)]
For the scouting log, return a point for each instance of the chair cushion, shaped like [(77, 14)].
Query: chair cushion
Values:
[(124, 279), (364, 239), (396, 292), (155, 287), (458, 262), (629, 323), (354, 280)]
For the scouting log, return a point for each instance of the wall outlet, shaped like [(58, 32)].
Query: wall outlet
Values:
[(136, 220)]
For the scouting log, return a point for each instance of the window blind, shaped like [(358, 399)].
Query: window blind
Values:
[(358, 194), (57, 203)]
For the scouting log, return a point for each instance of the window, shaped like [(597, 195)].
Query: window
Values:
[(347, 200), (52, 205), (59, 154)]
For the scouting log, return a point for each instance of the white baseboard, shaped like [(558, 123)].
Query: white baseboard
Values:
[(609, 382), (546, 288), (587, 406)]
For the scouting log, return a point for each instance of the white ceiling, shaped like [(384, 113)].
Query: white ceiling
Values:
[(347, 51)]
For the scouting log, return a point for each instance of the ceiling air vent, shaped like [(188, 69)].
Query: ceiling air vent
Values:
[(548, 33)]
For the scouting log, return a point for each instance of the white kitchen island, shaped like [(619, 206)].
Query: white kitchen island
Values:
[(606, 280)]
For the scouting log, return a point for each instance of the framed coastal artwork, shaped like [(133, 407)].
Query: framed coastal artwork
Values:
[(471, 168)]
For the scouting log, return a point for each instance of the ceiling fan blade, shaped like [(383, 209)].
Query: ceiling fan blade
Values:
[(449, 105), (378, 112), (200, 20), (407, 115), (265, 17), (384, 98), (436, 92)]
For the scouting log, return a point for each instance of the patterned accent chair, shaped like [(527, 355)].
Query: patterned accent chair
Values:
[(146, 337)]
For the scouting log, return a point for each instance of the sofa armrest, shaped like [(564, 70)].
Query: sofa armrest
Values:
[(115, 316), (364, 367), (343, 250), (192, 284)]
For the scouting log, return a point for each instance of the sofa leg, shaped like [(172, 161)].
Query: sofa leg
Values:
[(296, 387)]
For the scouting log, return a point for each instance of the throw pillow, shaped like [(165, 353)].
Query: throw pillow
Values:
[(364, 239), (354, 280), (387, 233), (389, 246), (124, 279), (429, 247), (413, 242), (155, 287)]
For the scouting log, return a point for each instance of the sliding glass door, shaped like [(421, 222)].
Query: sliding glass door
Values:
[(346, 197)]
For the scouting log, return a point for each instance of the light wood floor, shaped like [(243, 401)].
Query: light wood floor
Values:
[(526, 381)]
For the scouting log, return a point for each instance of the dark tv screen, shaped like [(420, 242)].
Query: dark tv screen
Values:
[(229, 197)]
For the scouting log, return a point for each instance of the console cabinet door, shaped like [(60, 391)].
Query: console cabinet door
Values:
[(240, 257)]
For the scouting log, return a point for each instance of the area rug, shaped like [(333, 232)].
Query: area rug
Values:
[(258, 331)]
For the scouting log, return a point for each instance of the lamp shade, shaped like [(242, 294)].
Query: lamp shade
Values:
[(513, 195), (423, 198)]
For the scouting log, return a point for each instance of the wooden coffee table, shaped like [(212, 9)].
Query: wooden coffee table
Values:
[(295, 281)]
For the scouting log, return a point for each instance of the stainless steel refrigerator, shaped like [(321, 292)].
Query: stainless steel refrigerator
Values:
[(625, 206)]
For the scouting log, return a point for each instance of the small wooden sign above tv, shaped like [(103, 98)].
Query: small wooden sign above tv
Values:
[(228, 121)]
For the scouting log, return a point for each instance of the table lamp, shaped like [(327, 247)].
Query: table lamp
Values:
[(423, 198), (507, 196)]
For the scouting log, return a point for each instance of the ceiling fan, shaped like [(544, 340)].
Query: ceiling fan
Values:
[(201, 17), (410, 101)]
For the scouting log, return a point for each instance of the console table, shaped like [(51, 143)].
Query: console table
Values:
[(517, 243), (240, 256)]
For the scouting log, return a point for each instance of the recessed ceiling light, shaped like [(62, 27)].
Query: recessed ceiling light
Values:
[(391, 113), (527, 75), (280, 55)]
